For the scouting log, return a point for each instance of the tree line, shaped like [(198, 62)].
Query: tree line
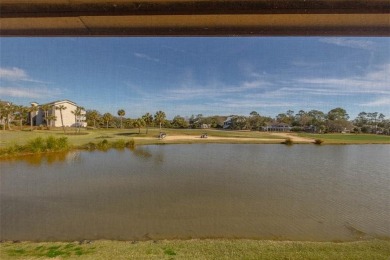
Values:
[(335, 120)]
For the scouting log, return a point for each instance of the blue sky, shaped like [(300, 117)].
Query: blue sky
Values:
[(185, 76)]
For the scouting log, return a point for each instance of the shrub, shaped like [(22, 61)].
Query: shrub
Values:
[(36, 145), (51, 143), (90, 146), (103, 145), (318, 141), (62, 143), (130, 144), (288, 141), (119, 144)]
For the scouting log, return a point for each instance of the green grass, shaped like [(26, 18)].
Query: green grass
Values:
[(198, 249), (27, 250), (349, 138), (104, 139), (87, 136)]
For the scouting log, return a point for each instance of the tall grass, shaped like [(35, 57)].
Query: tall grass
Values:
[(105, 145), (37, 145)]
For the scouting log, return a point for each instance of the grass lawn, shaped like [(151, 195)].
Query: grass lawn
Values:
[(22, 137), (349, 138), (197, 249), (9, 138)]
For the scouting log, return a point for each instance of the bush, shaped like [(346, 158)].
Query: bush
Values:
[(103, 145), (90, 146), (318, 141), (288, 141), (51, 143), (62, 143), (130, 144), (37, 145), (119, 144)]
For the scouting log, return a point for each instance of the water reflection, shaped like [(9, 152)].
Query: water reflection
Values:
[(142, 153), (47, 158), (301, 192)]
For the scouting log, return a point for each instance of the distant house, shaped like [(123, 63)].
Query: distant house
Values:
[(277, 127), (68, 117), (228, 123)]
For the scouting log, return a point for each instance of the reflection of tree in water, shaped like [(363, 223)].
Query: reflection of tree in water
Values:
[(74, 157), (33, 159), (142, 153), (55, 157), (159, 156), (49, 158)]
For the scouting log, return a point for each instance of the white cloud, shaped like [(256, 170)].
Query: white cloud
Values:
[(213, 90), (17, 74), (145, 57), (382, 101), (13, 74), (36, 92), (373, 82), (350, 43)]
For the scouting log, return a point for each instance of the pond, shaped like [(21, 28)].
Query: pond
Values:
[(299, 192)]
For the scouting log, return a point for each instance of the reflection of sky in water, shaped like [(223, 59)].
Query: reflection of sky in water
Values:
[(208, 190)]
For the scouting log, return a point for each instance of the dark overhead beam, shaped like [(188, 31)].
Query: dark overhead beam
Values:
[(198, 17), (18, 9)]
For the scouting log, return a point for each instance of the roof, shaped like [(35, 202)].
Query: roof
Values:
[(61, 101), (4, 103)]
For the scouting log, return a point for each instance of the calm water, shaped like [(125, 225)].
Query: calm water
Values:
[(302, 192)]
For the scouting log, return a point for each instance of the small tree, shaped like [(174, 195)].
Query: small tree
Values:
[(139, 123), (21, 114), (45, 109), (33, 109), (159, 117), (121, 113), (148, 119), (107, 117), (50, 119), (92, 115), (78, 112), (61, 108)]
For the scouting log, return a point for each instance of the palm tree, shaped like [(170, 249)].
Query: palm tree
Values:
[(50, 119), (78, 112), (107, 117), (148, 119), (33, 109), (159, 117), (61, 108), (20, 115), (2, 113), (9, 112), (139, 123), (121, 113), (93, 115), (45, 109)]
